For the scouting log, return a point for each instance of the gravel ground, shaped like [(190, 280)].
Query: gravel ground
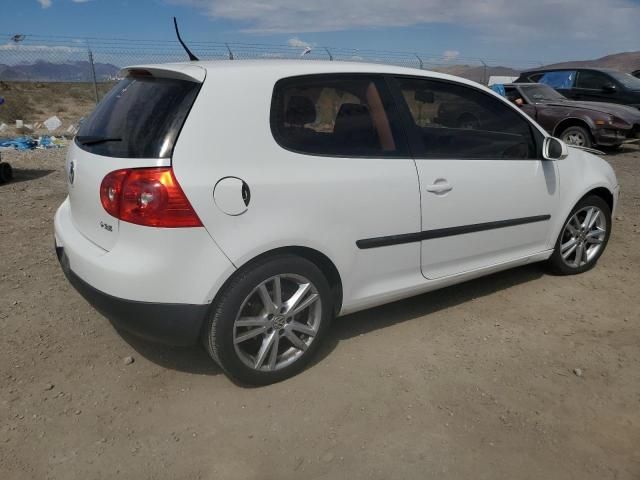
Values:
[(520, 375)]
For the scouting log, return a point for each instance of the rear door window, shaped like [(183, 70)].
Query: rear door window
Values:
[(336, 115), (563, 79), (140, 117)]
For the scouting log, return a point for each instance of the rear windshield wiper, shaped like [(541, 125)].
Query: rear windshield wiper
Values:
[(92, 140)]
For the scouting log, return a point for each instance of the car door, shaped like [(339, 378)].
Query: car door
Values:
[(596, 86), (487, 196)]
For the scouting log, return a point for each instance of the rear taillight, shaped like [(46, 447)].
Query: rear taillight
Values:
[(147, 196)]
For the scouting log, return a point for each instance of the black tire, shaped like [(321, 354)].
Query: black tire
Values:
[(218, 335), (556, 263), (6, 172), (577, 132)]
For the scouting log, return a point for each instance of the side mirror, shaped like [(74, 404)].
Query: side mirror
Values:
[(554, 149), (609, 88)]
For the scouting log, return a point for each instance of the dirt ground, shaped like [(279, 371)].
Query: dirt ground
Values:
[(473, 382)]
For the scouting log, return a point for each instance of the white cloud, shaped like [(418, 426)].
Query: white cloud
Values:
[(80, 1), (449, 55), (20, 47), (525, 20), (45, 3), (296, 42)]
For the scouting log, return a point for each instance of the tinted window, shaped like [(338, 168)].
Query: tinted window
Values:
[(140, 117), (334, 115), (563, 79), (592, 80), (455, 121), (627, 80)]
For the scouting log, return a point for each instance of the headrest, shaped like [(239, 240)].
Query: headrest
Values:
[(300, 111), (352, 118)]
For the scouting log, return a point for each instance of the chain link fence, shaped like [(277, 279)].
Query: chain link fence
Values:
[(46, 76)]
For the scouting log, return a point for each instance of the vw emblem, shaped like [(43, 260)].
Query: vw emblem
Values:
[(72, 173)]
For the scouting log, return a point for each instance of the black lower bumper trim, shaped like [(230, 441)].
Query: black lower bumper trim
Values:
[(168, 323)]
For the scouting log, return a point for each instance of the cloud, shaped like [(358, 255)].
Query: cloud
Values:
[(449, 55), (495, 19), (45, 3), (296, 42), (21, 47), (80, 1)]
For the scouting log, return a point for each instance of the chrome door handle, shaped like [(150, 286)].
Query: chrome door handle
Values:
[(439, 188)]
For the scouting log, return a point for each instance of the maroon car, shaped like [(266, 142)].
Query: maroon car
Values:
[(582, 124)]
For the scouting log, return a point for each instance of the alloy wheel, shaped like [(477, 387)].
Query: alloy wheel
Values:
[(575, 138), (583, 236), (277, 322)]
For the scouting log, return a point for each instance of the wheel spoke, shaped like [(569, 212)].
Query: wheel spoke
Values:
[(267, 301), (572, 230), (277, 292), (267, 342), (593, 219), (579, 254), (303, 328), (587, 218), (297, 297), (572, 249), (295, 340), (567, 245), (310, 300), (251, 322), (595, 237), (273, 357), (250, 334)]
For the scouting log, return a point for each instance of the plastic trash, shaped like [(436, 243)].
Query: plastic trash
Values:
[(20, 143), (28, 143), (52, 123)]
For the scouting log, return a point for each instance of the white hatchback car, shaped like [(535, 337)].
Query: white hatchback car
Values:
[(247, 203)]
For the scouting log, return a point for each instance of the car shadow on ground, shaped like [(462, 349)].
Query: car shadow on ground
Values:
[(361, 323), (195, 359), (26, 174)]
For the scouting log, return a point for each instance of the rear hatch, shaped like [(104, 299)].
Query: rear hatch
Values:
[(135, 125)]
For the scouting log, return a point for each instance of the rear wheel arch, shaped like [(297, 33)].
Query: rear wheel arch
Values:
[(319, 259)]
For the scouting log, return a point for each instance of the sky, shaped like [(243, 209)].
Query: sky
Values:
[(503, 31)]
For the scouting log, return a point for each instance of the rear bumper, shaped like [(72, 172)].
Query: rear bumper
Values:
[(169, 323)]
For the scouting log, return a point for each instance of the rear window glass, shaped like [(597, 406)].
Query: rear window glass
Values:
[(561, 79), (335, 115), (140, 117)]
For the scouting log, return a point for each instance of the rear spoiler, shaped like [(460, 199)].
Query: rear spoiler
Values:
[(179, 71)]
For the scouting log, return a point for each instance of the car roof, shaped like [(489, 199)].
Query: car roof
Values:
[(289, 68), (560, 69)]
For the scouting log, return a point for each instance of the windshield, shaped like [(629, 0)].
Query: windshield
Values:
[(627, 80), (139, 118), (541, 93)]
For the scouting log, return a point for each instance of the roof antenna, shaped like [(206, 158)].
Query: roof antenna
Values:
[(192, 57)]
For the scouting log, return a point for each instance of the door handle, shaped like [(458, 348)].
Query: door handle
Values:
[(439, 187)]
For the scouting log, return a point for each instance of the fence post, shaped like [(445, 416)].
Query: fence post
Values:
[(485, 80), (93, 75), (229, 50), (420, 60), (328, 53)]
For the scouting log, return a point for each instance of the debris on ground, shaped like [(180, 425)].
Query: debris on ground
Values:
[(31, 143), (128, 360)]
